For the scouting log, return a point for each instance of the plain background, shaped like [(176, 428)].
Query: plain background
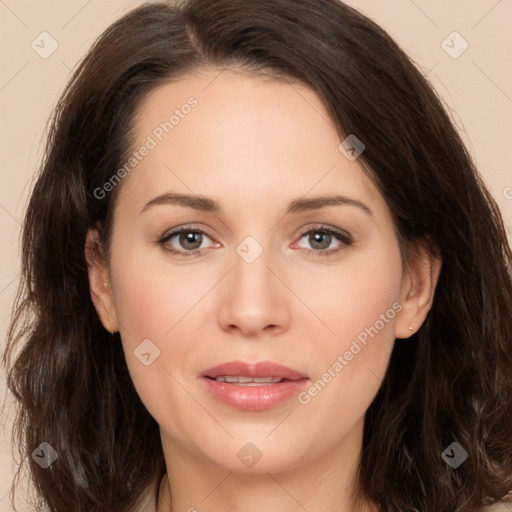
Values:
[(475, 85)]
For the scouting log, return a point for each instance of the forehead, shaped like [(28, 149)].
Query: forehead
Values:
[(219, 131)]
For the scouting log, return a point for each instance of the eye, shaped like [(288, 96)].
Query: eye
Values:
[(185, 241), (321, 239), (190, 241)]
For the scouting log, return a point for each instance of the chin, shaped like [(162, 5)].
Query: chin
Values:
[(255, 457)]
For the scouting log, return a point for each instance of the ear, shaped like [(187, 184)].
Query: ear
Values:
[(418, 287), (99, 281)]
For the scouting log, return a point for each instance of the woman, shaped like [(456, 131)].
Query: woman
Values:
[(336, 337)]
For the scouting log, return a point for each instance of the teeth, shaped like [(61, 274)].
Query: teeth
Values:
[(247, 381)]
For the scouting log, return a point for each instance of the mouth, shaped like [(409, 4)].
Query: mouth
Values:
[(253, 386), (248, 381)]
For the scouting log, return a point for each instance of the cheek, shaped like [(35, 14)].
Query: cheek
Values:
[(155, 307), (358, 305), (352, 296), (156, 352), (152, 295)]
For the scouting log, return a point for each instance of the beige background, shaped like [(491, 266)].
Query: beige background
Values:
[(476, 86)]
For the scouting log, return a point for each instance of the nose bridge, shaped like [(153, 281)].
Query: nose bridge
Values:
[(251, 270), (253, 299), (251, 279)]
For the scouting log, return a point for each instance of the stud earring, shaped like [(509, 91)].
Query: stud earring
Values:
[(410, 327)]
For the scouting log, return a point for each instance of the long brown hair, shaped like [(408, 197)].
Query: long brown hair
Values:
[(452, 382)]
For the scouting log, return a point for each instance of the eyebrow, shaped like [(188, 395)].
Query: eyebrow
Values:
[(206, 204)]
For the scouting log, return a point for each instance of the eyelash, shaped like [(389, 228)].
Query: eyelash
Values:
[(343, 237)]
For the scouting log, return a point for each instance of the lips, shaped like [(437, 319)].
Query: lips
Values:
[(253, 386), (263, 369)]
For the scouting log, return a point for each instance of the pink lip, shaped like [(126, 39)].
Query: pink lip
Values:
[(254, 397), (260, 369)]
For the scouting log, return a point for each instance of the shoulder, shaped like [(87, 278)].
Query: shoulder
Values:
[(503, 506), (499, 507)]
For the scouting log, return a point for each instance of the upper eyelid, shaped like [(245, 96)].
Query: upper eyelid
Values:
[(302, 231)]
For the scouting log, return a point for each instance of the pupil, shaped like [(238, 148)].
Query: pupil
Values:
[(317, 238), (189, 237)]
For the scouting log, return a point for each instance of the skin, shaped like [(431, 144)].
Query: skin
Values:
[(254, 145)]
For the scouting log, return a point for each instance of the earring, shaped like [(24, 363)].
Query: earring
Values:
[(105, 284), (410, 327)]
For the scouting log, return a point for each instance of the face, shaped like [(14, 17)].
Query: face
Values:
[(262, 270)]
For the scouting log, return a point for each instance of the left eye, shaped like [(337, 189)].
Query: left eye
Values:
[(320, 240)]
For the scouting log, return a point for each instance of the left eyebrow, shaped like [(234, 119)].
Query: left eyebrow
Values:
[(315, 203)]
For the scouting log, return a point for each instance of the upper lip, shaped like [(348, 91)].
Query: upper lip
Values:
[(258, 370)]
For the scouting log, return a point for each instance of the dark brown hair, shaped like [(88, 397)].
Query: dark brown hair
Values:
[(452, 382)]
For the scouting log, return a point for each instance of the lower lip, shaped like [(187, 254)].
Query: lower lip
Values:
[(254, 398)]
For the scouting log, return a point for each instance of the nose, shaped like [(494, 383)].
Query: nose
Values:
[(254, 299)]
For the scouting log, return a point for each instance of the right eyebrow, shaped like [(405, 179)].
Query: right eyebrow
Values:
[(190, 201)]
